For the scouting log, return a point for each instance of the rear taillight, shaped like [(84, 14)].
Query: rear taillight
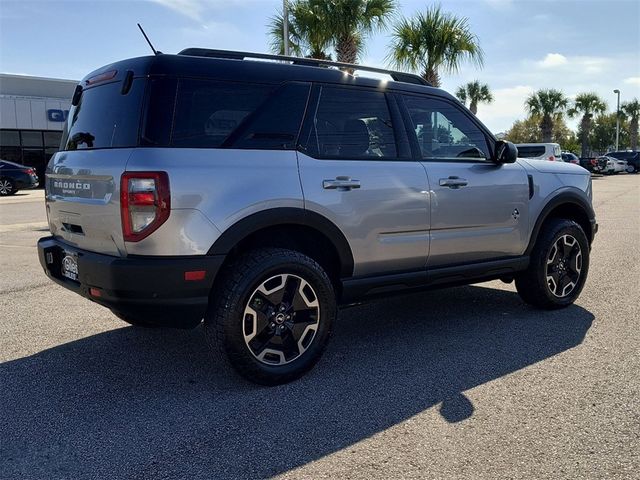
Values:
[(552, 158), (145, 203), (29, 171)]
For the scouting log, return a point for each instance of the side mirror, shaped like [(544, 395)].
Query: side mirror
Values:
[(506, 152)]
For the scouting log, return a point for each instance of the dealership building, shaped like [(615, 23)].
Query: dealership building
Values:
[(32, 115)]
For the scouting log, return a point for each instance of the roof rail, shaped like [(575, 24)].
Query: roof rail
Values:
[(310, 62)]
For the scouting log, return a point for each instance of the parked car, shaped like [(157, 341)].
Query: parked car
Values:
[(602, 163), (613, 165), (591, 164), (569, 157), (540, 151), (14, 177), (631, 157), (261, 195)]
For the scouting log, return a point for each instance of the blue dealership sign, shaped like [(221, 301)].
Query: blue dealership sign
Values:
[(56, 115)]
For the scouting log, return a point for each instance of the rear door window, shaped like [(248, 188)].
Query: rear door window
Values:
[(105, 118), (352, 123)]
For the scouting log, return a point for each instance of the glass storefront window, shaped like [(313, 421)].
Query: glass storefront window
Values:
[(52, 139), (31, 139), (9, 138)]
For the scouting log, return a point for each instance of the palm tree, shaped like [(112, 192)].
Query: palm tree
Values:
[(632, 110), (315, 25), (548, 105), (474, 93), (587, 104), (350, 21), (308, 35), (434, 41)]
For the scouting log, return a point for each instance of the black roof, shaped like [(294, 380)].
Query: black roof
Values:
[(236, 66)]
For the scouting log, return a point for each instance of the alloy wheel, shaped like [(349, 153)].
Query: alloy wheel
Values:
[(6, 188), (564, 266), (281, 319)]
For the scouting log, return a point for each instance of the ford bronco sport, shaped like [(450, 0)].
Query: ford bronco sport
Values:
[(261, 195)]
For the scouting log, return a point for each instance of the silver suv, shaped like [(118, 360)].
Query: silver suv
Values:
[(262, 195)]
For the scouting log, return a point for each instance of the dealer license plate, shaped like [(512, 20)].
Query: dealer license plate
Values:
[(69, 267)]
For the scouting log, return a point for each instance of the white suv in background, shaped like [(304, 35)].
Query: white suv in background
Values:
[(540, 151)]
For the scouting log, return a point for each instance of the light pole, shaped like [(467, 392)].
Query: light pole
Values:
[(617, 119), (285, 24)]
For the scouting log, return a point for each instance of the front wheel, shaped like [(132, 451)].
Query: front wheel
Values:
[(558, 266), (272, 316), (631, 168)]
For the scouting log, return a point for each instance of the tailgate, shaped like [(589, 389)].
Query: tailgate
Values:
[(83, 198)]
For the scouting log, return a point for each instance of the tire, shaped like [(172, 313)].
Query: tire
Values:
[(631, 168), (7, 187), (251, 322), (558, 266)]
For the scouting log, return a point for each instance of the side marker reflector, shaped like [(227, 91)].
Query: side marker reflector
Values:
[(195, 275)]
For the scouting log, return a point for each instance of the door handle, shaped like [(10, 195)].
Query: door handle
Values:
[(453, 182), (341, 183)]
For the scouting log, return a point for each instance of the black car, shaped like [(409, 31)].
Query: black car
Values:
[(569, 157), (590, 164), (632, 157), (14, 177)]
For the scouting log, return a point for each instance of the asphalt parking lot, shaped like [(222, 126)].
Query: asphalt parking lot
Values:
[(460, 383)]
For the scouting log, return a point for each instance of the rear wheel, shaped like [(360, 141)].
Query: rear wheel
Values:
[(7, 187), (558, 267), (631, 168), (272, 317)]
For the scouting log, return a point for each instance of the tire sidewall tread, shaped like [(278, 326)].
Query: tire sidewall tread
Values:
[(223, 321), (532, 283)]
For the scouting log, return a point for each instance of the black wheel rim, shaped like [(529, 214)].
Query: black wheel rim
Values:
[(281, 319), (564, 266), (5, 187)]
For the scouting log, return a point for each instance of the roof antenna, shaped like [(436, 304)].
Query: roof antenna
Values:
[(155, 52)]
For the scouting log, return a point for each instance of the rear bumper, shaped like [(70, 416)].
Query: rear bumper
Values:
[(25, 182), (151, 286)]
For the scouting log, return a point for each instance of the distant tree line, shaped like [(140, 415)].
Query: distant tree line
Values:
[(596, 132)]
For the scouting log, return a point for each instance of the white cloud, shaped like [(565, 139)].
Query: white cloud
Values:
[(556, 62), (553, 60), (189, 8), (591, 65), (507, 105), (222, 35), (499, 4), (632, 81), (196, 9)]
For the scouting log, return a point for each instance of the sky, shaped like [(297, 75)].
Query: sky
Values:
[(572, 45)]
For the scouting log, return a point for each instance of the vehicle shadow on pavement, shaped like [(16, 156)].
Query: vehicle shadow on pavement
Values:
[(139, 403)]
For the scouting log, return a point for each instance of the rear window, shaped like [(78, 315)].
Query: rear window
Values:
[(208, 112), (212, 114), (530, 151), (188, 113), (104, 117), (622, 155)]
